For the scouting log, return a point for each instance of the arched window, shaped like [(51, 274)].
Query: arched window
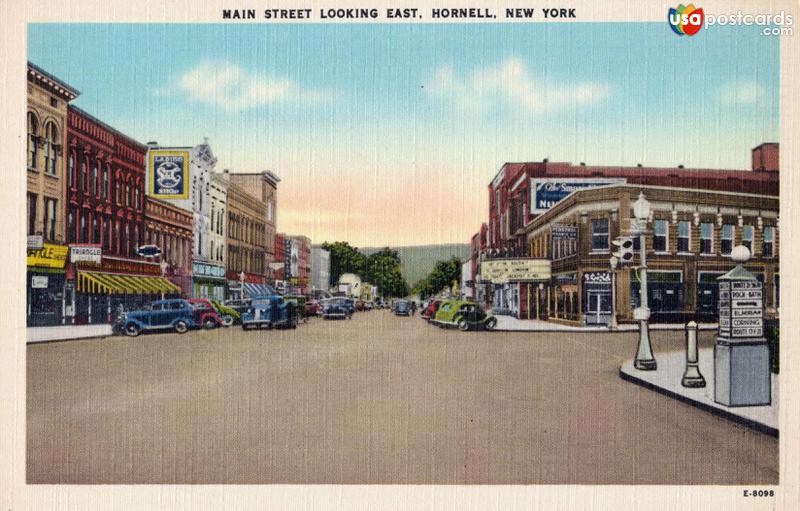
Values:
[(82, 174), (71, 224), (95, 179), (51, 141), (104, 189), (118, 189), (71, 170), (95, 229), (33, 135)]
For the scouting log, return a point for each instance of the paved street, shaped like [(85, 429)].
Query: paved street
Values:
[(377, 399)]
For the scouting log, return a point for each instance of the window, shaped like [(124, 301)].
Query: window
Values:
[(600, 234), (726, 239), (126, 241), (104, 189), (32, 213), (767, 244), (706, 238), (84, 232), (105, 228), (95, 230), (127, 196), (95, 177), (747, 237), (136, 198), (71, 224), (49, 219), (51, 140), (118, 190), (660, 236), (71, 170), (683, 236), (82, 175), (33, 135), (109, 235)]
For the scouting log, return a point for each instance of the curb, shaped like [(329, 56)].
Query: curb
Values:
[(68, 339), (762, 428)]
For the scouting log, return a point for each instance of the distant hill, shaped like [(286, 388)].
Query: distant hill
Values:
[(417, 261)]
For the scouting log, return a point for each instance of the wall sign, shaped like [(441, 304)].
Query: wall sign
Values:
[(545, 193), (49, 256), (208, 270), (168, 174), (601, 277), (85, 253), (563, 232), (39, 282), (502, 271)]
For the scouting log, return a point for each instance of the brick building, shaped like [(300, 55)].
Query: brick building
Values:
[(264, 187), (170, 228), (245, 243)]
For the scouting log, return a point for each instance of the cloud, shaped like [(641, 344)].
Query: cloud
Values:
[(737, 93), (233, 89), (511, 83)]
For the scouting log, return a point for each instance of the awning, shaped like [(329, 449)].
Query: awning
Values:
[(253, 290), (108, 283)]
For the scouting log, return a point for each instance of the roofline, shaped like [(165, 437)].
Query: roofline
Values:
[(44, 74), (106, 126)]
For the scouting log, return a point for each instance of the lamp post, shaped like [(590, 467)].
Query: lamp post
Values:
[(644, 352), (241, 285), (164, 265), (612, 323)]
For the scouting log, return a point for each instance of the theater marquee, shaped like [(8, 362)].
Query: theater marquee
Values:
[(502, 271)]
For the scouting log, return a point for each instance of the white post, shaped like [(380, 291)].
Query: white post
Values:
[(644, 352), (691, 376)]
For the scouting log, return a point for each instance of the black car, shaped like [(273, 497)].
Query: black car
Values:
[(402, 308), (337, 308)]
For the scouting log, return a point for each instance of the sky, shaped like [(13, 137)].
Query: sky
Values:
[(389, 134)]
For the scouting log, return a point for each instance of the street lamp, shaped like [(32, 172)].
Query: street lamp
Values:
[(164, 265), (612, 324), (241, 285), (644, 352)]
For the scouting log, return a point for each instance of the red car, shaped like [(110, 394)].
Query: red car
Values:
[(312, 308), (429, 311), (204, 313)]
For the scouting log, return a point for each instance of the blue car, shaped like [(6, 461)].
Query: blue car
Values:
[(269, 311), (174, 314), (402, 308)]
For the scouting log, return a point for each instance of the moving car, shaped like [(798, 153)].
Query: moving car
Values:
[(336, 308), (430, 309), (463, 314), (228, 315), (270, 311), (402, 308), (175, 314), (204, 313)]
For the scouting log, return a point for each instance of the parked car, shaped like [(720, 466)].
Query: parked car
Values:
[(402, 308), (313, 308), (368, 305), (239, 305), (270, 311), (204, 313), (228, 315), (336, 308), (463, 314), (430, 309), (175, 314)]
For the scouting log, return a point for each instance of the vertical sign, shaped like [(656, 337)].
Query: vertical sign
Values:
[(168, 174), (724, 309)]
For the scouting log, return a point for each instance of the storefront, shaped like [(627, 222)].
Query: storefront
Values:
[(665, 295), (511, 282), (208, 280), (597, 297), (98, 291), (45, 285)]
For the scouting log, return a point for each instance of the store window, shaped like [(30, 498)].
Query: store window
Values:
[(660, 236), (747, 237), (683, 236), (726, 239), (706, 238), (768, 243), (600, 234)]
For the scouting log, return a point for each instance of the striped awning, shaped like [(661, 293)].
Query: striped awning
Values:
[(108, 283), (254, 290)]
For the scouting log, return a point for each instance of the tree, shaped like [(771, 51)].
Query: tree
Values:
[(344, 259), (383, 271), (441, 277)]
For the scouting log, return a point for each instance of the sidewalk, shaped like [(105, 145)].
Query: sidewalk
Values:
[(66, 332), (512, 324), (667, 380)]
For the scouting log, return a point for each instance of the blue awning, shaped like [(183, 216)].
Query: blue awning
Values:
[(253, 290)]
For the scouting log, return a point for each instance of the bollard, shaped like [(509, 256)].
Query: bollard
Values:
[(691, 376)]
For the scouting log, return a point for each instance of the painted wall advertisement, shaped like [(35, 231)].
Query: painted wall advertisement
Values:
[(545, 193), (168, 174)]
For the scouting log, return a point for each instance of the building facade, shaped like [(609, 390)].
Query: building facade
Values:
[(170, 228), (264, 187), (320, 268), (218, 219), (47, 101), (298, 270), (245, 243)]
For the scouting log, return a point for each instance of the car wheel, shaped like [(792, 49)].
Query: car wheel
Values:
[(209, 323), (227, 320), (132, 330), (181, 327), (491, 323), (463, 325)]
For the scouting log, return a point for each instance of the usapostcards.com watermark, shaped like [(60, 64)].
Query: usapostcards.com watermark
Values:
[(774, 24)]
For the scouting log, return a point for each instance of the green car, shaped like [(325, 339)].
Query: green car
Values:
[(226, 314), (463, 314)]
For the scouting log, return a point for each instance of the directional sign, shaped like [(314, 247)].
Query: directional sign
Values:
[(741, 309)]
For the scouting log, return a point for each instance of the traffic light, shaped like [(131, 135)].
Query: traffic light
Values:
[(624, 246)]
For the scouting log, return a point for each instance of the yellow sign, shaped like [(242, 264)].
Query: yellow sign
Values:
[(502, 271), (168, 174), (49, 256)]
